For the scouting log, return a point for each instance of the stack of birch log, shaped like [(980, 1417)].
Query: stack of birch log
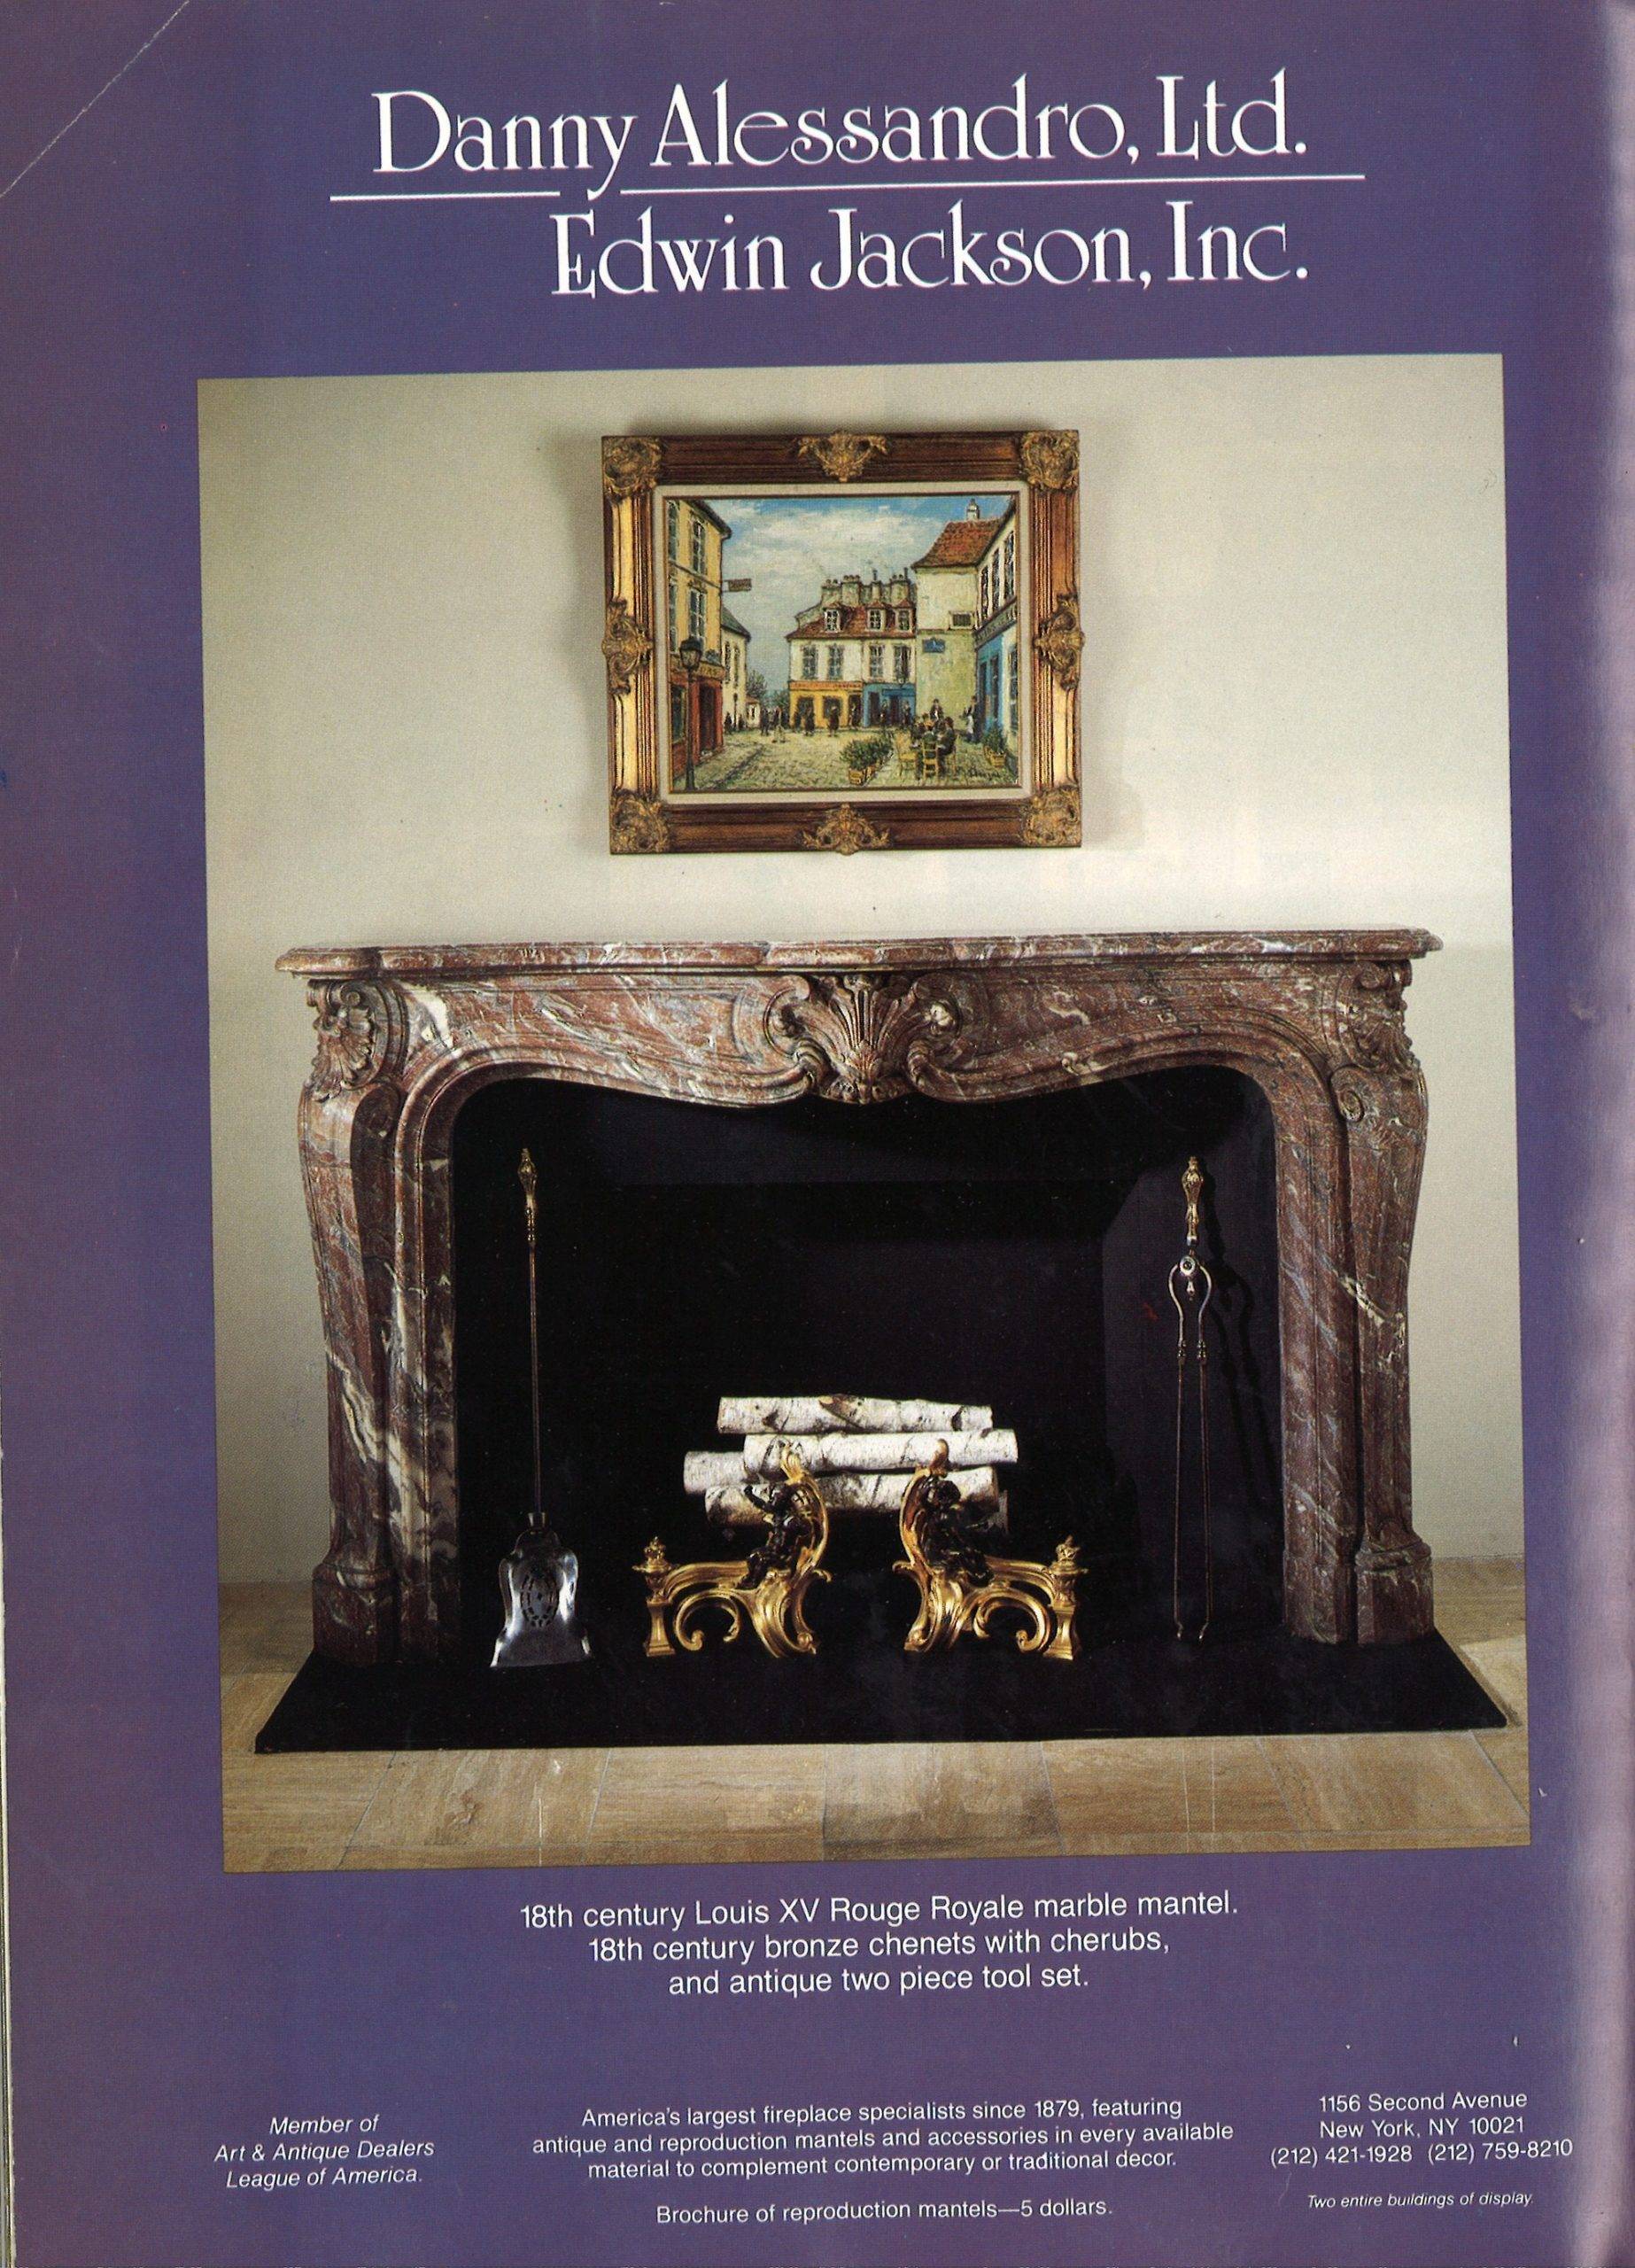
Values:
[(861, 1450)]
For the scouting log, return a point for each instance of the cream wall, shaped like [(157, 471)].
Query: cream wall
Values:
[(1294, 715)]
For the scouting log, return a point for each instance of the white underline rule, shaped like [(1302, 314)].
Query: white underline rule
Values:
[(428, 195), (1063, 180), (855, 188)]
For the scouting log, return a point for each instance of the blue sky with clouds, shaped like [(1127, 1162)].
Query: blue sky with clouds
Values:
[(788, 544)]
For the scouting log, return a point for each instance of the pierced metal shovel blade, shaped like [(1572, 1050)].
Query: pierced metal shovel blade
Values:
[(539, 1583)]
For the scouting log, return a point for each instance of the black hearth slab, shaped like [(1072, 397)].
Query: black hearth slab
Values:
[(1264, 1682)]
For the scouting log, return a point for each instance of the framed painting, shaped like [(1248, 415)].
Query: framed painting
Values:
[(843, 641)]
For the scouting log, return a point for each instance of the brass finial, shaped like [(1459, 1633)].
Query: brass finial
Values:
[(529, 1177), (1192, 1190)]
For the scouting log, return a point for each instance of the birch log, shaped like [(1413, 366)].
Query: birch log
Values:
[(824, 1453), (847, 1413), (707, 1469), (855, 1492), (875, 1452), (730, 1508)]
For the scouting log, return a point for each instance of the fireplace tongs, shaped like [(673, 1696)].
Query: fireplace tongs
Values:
[(1191, 1287)]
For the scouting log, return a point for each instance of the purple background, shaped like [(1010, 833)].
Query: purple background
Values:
[(181, 230)]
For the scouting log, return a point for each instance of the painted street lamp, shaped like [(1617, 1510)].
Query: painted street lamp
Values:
[(690, 654)]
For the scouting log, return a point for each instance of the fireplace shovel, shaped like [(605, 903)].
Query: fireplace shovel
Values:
[(539, 1580)]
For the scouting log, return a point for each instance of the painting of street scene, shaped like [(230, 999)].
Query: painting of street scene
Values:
[(866, 643)]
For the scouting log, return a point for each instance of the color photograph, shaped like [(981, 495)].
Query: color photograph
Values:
[(852, 1362)]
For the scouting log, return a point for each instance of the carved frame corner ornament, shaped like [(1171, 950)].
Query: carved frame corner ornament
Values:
[(842, 456), (637, 825), (1060, 640), (631, 463), (1049, 461), (846, 830), (1052, 819), (625, 646)]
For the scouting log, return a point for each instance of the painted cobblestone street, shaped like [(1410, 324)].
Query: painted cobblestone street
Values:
[(816, 762)]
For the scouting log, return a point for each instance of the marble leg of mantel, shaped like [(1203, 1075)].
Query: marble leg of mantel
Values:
[(346, 1125), (1383, 1109)]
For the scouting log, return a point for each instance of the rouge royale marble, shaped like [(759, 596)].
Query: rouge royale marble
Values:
[(406, 1033)]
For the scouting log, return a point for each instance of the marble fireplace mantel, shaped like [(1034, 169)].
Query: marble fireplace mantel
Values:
[(405, 1034)]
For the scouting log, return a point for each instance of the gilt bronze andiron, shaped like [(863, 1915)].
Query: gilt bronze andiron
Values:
[(766, 1591), (962, 1587)]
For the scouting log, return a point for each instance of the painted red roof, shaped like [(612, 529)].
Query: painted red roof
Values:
[(961, 543)]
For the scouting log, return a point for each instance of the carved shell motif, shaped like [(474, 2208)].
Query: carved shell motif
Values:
[(630, 462), (625, 646), (354, 1037), (842, 456), (1049, 461), (862, 1037)]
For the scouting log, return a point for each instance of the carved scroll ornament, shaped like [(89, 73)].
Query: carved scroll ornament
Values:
[(1371, 1026), (846, 830), (625, 646), (1061, 640)]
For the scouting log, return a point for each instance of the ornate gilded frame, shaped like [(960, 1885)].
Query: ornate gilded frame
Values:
[(643, 819)]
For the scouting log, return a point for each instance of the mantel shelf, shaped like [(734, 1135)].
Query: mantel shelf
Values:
[(868, 952)]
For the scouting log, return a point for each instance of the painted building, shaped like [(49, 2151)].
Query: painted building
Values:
[(998, 656), (946, 600), (694, 537), (735, 671), (852, 655)]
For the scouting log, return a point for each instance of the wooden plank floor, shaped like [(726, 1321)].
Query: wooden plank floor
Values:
[(528, 1808)]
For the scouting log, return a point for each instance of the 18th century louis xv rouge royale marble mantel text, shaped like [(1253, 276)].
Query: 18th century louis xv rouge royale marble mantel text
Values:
[(406, 1035)]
